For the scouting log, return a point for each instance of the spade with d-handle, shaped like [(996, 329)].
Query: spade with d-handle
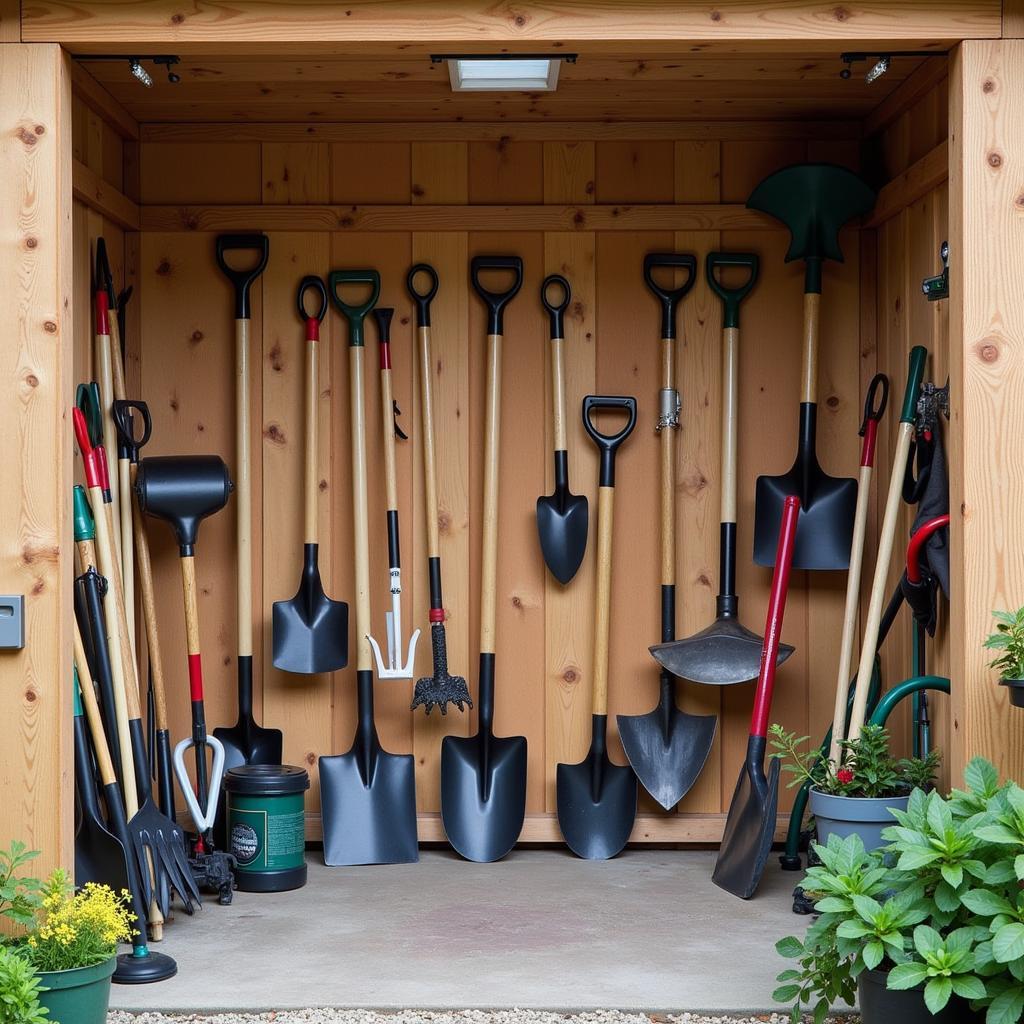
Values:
[(750, 826), (562, 517), (310, 631), (725, 652), (596, 798), (367, 796), (814, 201), (483, 777)]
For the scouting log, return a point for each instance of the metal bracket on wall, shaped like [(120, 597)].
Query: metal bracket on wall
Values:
[(937, 287)]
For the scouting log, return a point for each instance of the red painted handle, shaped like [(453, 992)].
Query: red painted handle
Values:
[(102, 312), (312, 329), (867, 449), (773, 621), (90, 456), (917, 542), (195, 677)]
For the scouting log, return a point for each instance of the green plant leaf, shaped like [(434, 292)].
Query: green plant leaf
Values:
[(926, 940), (980, 776), (953, 874), (999, 834), (946, 898), (937, 993), (967, 986), (986, 903), (1008, 942), (915, 859), (833, 905), (873, 954), (790, 947), (785, 993), (1007, 1007), (905, 976)]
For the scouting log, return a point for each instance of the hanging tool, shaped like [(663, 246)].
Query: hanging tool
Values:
[(814, 201), (725, 652), (668, 747), (367, 796), (750, 825), (441, 688), (937, 287), (310, 631), (103, 360), (562, 517), (597, 798), (394, 668)]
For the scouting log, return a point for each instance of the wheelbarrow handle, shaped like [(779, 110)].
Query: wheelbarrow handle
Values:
[(311, 283), (608, 444), (354, 314), (242, 279), (556, 310), (670, 297), (124, 411), (918, 541), (496, 301), (422, 299), (731, 297)]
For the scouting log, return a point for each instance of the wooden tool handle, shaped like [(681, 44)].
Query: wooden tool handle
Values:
[(86, 555), (311, 473), (114, 581), (429, 463), (668, 473), (190, 596), (364, 660), (809, 366), (243, 487), (492, 441), (92, 712), (602, 606), (105, 373), (127, 549), (387, 405), (730, 420), (558, 390)]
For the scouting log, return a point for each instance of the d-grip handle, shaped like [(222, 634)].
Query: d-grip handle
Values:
[(496, 301), (670, 297), (556, 311), (608, 444), (311, 283), (242, 279), (874, 408), (87, 401), (124, 421), (354, 314), (731, 297), (422, 299)]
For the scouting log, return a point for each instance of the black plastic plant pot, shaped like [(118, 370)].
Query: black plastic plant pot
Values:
[(1016, 688), (880, 1005)]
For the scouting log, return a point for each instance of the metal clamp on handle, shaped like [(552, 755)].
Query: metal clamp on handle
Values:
[(731, 297), (354, 314), (496, 301), (874, 406), (669, 404), (422, 299), (242, 279), (608, 444), (670, 297), (124, 421), (315, 284), (556, 311)]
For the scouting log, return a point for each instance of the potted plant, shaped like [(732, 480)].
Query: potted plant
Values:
[(930, 928), (19, 990), (1008, 639), (859, 793)]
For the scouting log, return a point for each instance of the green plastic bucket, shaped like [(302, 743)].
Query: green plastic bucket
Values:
[(80, 996), (267, 826)]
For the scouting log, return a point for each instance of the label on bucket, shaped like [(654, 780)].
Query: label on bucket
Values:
[(265, 835)]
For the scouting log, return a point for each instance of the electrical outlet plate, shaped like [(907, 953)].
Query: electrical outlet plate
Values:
[(12, 622)]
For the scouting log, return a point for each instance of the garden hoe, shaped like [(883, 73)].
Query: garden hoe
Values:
[(311, 631), (668, 747), (367, 796), (441, 688), (726, 652), (750, 825), (483, 777), (562, 517), (596, 798), (814, 201), (394, 668)]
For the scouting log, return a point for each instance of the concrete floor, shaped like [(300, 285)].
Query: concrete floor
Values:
[(540, 929)]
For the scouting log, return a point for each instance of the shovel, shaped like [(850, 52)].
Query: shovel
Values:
[(668, 747), (310, 631), (814, 201), (561, 516), (483, 777), (750, 826), (367, 796), (596, 798)]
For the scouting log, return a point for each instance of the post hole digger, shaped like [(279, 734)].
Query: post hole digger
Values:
[(668, 747), (440, 688)]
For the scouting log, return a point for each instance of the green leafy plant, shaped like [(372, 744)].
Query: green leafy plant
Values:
[(19, 990), (1008, 639), (19, 894), (865, 768)]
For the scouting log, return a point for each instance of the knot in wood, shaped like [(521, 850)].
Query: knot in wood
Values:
[(995, 159), (571, 675), (26, 137), (311, 758), (715, 16), (832, 401), (163, 268), (988, 85), (841, 14), (274, 434), (50, 326), (31, 242), (30, 695), (31, 380), (274, 358), (988, 350)]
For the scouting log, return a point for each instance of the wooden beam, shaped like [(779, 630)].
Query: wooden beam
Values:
[(10, 21), (916, 181), (986, 241), (97, 99), (923, 79), (101, 196), (1013, 19), (36, 757)]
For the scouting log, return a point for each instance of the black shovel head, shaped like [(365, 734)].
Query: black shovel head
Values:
[(721, 655), (562, 522), (750, 827), (99, 856), (368, 806), (483, 793)]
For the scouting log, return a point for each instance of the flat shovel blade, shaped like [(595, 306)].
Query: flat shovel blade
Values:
[(99, 856), (310, 634), (562, 523), (483, 794), (667, 762), (596, 819)]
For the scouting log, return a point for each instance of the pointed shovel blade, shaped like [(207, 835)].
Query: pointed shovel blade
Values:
[(563, 523)]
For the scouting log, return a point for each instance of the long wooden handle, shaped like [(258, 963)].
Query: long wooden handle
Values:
[(364, 661), (492, 441), (809, 367), (92, 712), (243, 488), (105, 375), (190, 598), (311, 470), (429, 463), (730, 420), (127, 549), (388, 423), (86, 555), (668, 473), (603, 603), (131, 677), (558, 392)]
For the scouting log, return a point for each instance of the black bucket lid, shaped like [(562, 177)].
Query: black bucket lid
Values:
[(266, 779)]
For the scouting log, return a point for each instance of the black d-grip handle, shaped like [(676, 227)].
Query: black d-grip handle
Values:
[(608, 444), (124, 420), (422, 299), (242, 279), (311, 283), (875, 401), (670, 297), (496, 301), (556, 311)]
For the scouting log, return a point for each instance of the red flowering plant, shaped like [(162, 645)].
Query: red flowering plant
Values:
[(866, 766)]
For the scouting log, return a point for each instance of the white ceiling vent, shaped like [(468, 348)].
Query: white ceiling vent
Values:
[(512, 73)]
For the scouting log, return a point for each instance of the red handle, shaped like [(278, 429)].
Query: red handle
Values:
[(312, 329), (92, 458), (773, 621), (917, 542), (102, 312), (867, 449)]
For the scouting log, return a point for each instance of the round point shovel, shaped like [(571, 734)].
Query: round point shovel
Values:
[(483, 777), (562, 517), (367, 796), (310, 631), (750, 826), (596, 798), (814, 201)]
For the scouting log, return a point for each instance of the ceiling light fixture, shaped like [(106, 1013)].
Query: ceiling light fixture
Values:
[(140, 73), (508, 72), (878, 69), (164, 60), (883, 61)]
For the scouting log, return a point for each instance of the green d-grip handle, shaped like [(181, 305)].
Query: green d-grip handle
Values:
[(354, 314), (87, 399), (918, 358), (731, 297), (670, 297), (242, 279), (85, 527), (496, 301)]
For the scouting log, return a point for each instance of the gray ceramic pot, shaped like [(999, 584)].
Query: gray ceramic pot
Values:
[(845, 815), (880, 1006)]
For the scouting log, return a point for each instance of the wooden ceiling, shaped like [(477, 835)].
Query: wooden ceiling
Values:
[(405, 86)]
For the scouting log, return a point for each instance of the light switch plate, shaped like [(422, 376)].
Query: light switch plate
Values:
[(12, 622)]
